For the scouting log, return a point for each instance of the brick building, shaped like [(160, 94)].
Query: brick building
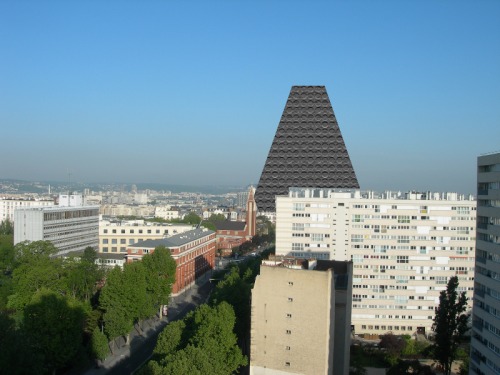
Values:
[(193, 252), (233, 233)]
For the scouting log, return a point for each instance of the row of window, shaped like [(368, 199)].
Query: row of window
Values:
[(387, 328), (140, 231)]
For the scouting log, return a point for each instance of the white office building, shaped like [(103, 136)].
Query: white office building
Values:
[(70, 229), (404, 248), (485, 341)]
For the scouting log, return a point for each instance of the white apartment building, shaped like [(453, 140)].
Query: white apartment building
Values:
[(166, 212), (70, 229), (404, 247), (485, 342), (9, 205), (126, 210), (114, 237)]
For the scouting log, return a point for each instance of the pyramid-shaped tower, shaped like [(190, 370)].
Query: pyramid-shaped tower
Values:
[(307, 151)]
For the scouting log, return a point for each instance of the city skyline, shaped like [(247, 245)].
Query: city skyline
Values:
[(152, 92)]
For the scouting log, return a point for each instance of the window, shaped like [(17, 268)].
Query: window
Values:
[(123, 231), (123, 241), (114, 241), (131, 231), (104, 249), (288, 315), (287, 364), (105, 241), (288, 332), (105, 231), (290, 299), (287, 348)]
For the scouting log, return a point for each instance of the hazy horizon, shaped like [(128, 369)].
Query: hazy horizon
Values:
[(192, 93)]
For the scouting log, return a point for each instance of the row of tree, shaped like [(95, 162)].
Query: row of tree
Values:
[(59, 311), (214, 338), (202, 343)]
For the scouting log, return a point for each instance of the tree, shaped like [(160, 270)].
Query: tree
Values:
[(203, 343), (34, 270), (6, 227), (450, 324), (192, 218), (160, 276), (115, 301), (393, 345), (53, 326), (83, 274), (99, 344)]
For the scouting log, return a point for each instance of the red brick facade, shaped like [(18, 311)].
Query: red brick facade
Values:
[(193, 258), (228, 238)]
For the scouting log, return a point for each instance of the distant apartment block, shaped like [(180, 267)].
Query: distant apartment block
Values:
[(193, 251), (167, 212), (70, 229), (9, 205), (404, 248), (485, 342), (300, 319), (114, 237), (127, 210)]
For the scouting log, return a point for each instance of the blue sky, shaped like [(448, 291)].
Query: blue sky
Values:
[(186, 92)]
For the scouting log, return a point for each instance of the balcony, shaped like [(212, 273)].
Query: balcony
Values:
[(478, 325), (481, 259), (479, 292)]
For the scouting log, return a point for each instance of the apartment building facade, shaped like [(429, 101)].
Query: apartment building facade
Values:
[(286, 296), (114, 237), (404, 248), (485, 341)]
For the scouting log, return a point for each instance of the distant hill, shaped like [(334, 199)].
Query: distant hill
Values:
[(21, 186)]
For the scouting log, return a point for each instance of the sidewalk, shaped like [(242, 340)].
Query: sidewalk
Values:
[(128, 358)]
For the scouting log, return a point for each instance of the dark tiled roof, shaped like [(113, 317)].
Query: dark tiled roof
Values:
[(307, 151), (229, 225), (176, 240)]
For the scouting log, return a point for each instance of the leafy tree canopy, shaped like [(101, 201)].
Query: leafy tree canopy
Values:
[(6, 227), (53, 328), (450, 324)]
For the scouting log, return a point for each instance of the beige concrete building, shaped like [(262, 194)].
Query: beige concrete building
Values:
[(114, 237), (404, 248), (300, 322)]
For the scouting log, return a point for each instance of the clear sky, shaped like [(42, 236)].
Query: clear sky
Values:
[(186, 92)]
